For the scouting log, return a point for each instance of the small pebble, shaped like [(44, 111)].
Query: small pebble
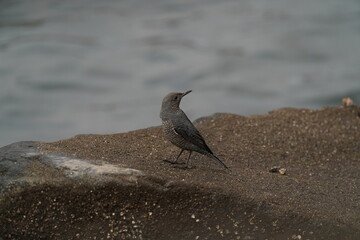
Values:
[(274, 169), (282, 171), (277, 169)]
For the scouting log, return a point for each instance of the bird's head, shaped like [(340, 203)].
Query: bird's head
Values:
[(172, 100)]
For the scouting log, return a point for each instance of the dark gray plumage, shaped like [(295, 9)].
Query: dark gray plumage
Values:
[(180, 131)]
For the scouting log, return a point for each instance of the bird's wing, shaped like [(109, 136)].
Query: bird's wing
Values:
[(184, 127)]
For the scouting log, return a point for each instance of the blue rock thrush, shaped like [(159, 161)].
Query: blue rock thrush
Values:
[(180, 131)]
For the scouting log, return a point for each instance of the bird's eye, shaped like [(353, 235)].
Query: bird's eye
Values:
[(176, 97)]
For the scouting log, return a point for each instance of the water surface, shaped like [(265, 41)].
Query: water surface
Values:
[(86, 66)]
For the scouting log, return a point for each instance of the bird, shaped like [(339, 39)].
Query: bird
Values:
[(180, 131)]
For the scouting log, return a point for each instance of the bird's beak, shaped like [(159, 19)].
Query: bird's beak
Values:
[(187, 92)]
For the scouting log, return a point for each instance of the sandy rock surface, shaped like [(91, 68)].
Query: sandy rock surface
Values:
[(118, 186)]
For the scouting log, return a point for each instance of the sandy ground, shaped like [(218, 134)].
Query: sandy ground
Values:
[(317, 198)]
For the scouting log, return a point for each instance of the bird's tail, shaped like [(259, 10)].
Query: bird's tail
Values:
[(217, 159)]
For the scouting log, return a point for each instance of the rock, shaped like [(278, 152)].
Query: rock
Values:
[(22, 166), (277, 169), (282, 171), (347, 102), (274, 169), (117, 186)]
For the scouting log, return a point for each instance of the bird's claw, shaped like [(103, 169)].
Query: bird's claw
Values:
[(183, 167), (173, 162)]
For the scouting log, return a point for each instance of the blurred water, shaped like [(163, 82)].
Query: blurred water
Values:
[(70, 67)]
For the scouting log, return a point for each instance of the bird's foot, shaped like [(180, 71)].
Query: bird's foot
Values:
[(183, 167), (173, 161)]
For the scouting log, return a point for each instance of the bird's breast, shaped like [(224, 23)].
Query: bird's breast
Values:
[(173, 136)]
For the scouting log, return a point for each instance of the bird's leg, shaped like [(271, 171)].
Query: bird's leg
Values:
[(176, 160), (187, 163), (188, 160)]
